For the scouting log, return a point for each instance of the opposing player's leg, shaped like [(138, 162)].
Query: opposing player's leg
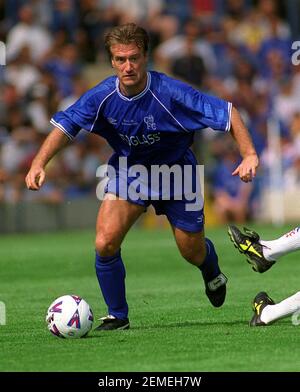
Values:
[(289, 242), (200, 251), (115, 218), (249, 243), (266, 311)]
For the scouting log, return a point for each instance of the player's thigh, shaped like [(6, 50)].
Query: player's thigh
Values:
[(190, 244), (188, 227), (115, 218)]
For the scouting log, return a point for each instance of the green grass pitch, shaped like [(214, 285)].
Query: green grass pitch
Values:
[(173, 326)]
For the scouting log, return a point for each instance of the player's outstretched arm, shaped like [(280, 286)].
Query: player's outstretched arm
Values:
[(55, 141), (247, 168)]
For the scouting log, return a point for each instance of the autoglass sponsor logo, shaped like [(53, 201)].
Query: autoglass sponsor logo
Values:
[(141, 139)]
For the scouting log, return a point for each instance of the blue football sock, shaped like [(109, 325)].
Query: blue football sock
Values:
[(210, 267), (111, 277)]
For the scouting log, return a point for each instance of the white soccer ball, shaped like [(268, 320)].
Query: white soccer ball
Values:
[(69, 316)]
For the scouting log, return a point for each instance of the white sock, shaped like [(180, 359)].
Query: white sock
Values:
[(288, 243), (284, 308)]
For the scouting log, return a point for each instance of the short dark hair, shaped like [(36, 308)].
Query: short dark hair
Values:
[(126, 34)]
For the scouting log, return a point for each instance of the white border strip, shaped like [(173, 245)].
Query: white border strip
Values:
[(53, 122), (228, 125)]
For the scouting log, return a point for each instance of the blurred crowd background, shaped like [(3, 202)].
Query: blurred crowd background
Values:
[(239, 50)]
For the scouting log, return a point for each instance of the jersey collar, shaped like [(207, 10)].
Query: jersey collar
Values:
[(140, 95)]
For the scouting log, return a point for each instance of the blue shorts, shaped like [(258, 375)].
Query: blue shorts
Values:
[(183, 209), (175, 211)]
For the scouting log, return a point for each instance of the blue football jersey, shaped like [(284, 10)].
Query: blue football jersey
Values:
[(154, 127)]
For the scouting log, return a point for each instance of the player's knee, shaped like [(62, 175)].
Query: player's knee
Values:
[(193, 256), (106, 246)]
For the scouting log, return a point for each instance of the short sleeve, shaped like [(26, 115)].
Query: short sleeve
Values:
[(80, 115)]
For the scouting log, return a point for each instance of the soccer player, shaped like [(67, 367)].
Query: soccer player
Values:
[(149, 119), (262, 255)]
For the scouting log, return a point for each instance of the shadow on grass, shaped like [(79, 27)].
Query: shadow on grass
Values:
[(233, 323), (188, 324), (191, 324)]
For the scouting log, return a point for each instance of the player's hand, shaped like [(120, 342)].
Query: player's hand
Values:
[(247, 168), (35, 178)]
